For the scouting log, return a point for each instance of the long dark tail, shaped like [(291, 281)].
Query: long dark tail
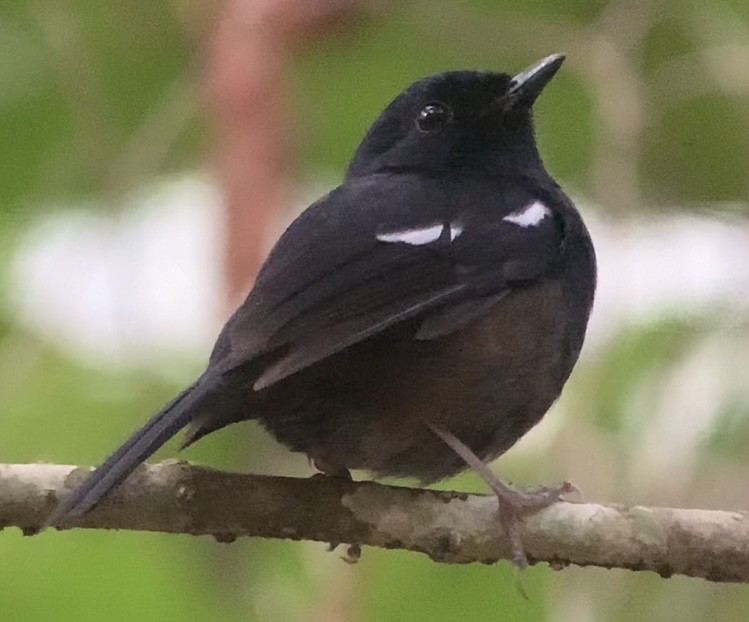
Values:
[(163, 426)]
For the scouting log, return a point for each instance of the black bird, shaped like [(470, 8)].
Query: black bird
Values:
[(418, 319)]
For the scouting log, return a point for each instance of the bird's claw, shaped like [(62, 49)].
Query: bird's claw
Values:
[(514, 504)]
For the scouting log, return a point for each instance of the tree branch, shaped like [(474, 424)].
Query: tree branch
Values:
[(449, 527)]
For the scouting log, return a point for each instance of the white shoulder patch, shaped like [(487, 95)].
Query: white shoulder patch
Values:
[(422, 235), (455, 230), (529, 216)]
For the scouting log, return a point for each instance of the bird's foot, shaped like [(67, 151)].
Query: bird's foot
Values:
[(328, 469), (531, 499), (514, 504)]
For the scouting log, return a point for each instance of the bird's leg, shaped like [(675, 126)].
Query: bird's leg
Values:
[(513, 503), (328, 469)]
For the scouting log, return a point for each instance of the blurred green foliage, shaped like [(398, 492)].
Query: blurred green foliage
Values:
[(638, 356), (82, 86), (82, 80)]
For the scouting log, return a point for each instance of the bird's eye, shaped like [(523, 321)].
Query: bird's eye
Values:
[(433, 117)]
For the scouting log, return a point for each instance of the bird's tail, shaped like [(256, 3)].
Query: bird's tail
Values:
[(142, 444)]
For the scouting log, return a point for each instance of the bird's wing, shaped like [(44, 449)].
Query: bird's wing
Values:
[(348, 268)]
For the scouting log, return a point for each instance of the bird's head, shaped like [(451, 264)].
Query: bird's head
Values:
[(470, 120)]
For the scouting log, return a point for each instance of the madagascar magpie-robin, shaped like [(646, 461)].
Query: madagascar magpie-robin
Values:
[(419, 318)]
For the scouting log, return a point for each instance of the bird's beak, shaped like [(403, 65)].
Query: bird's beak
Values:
[(526, 86)]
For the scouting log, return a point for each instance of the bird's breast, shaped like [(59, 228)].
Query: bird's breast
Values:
[(487, 383)]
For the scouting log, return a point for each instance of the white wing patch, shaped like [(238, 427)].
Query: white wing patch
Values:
[(422, 235), (529, 216)]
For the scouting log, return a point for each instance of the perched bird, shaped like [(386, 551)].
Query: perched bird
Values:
[(419, 318)]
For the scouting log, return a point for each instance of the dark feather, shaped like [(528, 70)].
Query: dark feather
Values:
[(325, 343), (319, 292), (451, 318)]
